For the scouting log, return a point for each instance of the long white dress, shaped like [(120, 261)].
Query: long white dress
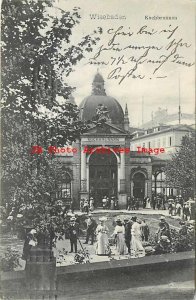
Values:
[(137, 250), (119, 231), (102, 245), (148, 203)]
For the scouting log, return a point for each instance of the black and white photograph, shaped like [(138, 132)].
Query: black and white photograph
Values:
[(97, 150)]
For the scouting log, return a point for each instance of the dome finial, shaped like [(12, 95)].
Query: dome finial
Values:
[(98, 85)]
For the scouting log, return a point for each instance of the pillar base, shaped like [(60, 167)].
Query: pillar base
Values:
[(122, 201), (84, 195)]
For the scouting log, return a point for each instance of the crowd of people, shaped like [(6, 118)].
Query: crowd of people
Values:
[(129, 236)]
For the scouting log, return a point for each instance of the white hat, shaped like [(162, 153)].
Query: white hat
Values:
[(33, 231), (103, 219), (162, 218), (72, 219)]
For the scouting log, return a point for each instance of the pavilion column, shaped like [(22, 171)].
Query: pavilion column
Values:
[(122, 167), (146, 188), (122, 172), (119, 177), (83, 165), (131, 188), (87, 176), (83, 183)]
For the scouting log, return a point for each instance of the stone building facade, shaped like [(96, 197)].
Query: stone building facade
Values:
[(104, 164)]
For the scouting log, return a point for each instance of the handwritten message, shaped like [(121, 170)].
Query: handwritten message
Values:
[(144, 53)]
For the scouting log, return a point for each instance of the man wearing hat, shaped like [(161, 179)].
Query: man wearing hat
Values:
[(91, 227), (127, 226), (73, 233), (164, 228)]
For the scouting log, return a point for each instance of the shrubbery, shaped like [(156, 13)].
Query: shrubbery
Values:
[(10, 260)]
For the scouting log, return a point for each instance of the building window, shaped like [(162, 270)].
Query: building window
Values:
[(148, 144), (64, 187), (143, 145)]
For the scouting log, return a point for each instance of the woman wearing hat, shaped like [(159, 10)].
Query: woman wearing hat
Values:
[(119, 233), (30, 241), (137, 249), (102, 246)]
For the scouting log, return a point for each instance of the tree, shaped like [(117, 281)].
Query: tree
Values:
[(37, 57), (180, 171)]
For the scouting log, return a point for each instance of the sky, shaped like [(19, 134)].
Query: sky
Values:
[(178, 80)]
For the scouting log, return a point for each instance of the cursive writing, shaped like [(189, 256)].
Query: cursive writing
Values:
[(141, 53)]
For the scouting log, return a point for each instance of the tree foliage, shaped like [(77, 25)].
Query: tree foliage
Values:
[(180, 171), (37, 57)]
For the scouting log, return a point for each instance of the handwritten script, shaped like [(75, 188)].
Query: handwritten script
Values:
[(144, 53)]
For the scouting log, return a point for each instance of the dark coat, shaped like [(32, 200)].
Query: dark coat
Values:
[(127, 231), (73, 231), (91, 227)]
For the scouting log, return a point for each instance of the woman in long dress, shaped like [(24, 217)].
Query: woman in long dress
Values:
[(148, 203), (137, 250), (119, 233), (102, 246)]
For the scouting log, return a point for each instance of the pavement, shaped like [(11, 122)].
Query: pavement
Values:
[(173, 291)]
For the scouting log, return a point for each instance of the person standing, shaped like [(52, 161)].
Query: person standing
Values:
[(136, 245), (178, 209), (129, 203), (145, 231), (137, 204), (91, 204), (30, 241), (128, 226), (119, 233), (82, 205), (73, 234), (154, 202), (72, 206), (91, 227), (112, 203), (104, 202), (186, 212), (144, 202), (148, 203), (86, 206), (102, 246)]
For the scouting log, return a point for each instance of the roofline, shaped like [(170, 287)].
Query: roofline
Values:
[(163, 131)]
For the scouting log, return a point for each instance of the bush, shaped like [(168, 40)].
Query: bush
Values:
[(10, 260), (179, 242), (82, 257)]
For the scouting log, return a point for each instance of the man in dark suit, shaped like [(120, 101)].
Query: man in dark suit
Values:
[(91, 227), (127, 226), (73, 233)]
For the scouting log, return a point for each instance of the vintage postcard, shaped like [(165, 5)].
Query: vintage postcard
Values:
[(98, 149)]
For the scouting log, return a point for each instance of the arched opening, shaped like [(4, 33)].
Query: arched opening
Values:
[(102, 176), (139, 185)]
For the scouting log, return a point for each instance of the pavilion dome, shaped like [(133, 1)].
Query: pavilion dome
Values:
[(89, 104)]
